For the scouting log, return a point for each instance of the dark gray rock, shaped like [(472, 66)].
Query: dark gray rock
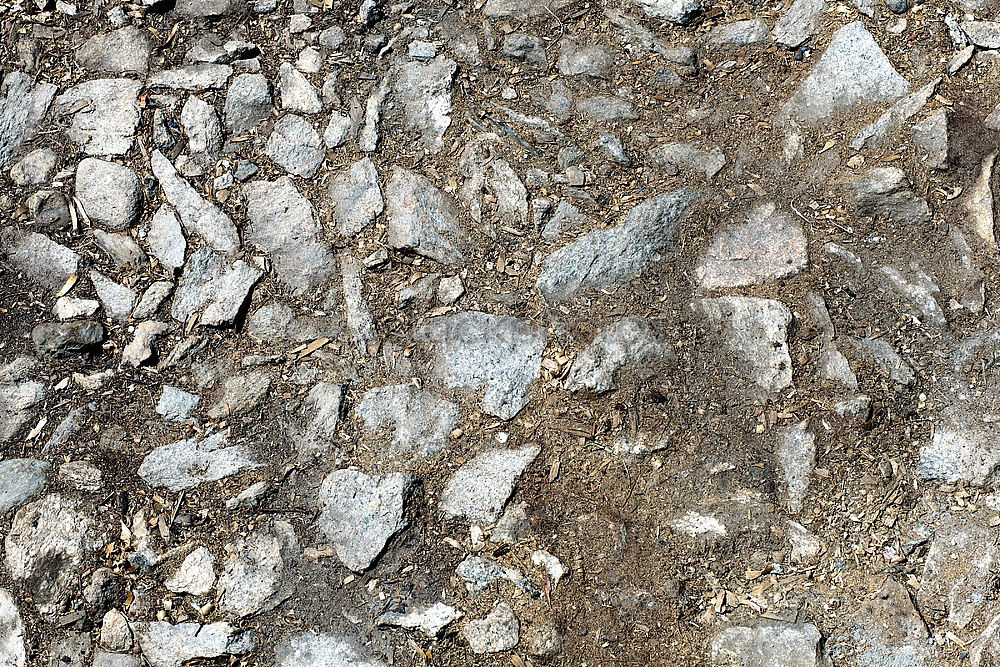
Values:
[(122, 51), (248, 103), (886, 191), (20, 479), (577, 59), (62, 339)]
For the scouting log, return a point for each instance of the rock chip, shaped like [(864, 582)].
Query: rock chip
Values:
[(38, 257), (798, 23), (959, 569), (214, 287), (115, 632), (675, 157), (188, 463), (322, 406), (20, 479), (35, 168), (23, 105), (122, 51), (356, 197), (423, 91), (576, 58), (295, 146), (105, 115), (499, 631), (429, 619), (167, 645), (19, 392), (479, 489), (166, 239), (63, 339), (768, 644), (199, 217), (196, 575), (255, 577), (738, 33), (886, 191), (248, 103), (176, 404), (422, 218), (796, 457), (422, 421), (203, 130), (200, 76), (295, 91), (629, 342), (116, 299)]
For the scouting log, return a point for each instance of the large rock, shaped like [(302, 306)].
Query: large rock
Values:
[(255, 577), (886, 191), (20, 479), (12, 650), (479, 489), (111, 193), (188, 463), (421, 420), (283, 223), (295, 146), (629, 342), (63, 339), (423, 219), (607, 258), (960, 450), (214, 287), (359, 513), (852, 71), (423, 91), (166, 645), (23, 105), (199, 217), (166, 239), (38, 257), (312, 649), (20, 391), (497, 354), (769, 644), (122, 51), (105, 115), (248, 103), (888, 629), (356, 197)]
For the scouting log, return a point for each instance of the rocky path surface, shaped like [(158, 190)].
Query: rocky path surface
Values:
[(629, 332)]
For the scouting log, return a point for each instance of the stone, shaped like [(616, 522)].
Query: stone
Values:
[(543, 641), (115, 632), (576, 59), (338, 130), (931, 135), (284, 224), (564, 217), (675, 157), (421, 420), (756, 331), (122, 51), (852, 71), (429, 619), (167, 645), (738, 33), (769, 246), (368, 136), (12, 649), (240, 393), (332, 37), (204, 9), (255, 577), (423, 91), (295, 91), (323, 407), (105, 115), (768, 644), (629, 342), (984, 34), (795, 455), (199, 217), (495, 354), (248, 103), (450, 290), (49, 210), (116, 299), (20, 479), (203, 130), (176, 404), (920, 291), (798, 23), (498, 632), (35, 168), (959, 451), (886, 360), (102, 659), (480, 488), (64, 339), (48, 539), (69, 308), (528, 48), (188, 463), (423, 219), (141, 348), (606, 109), (195, 575), (152, 299), (900, 112), (312, 649), (200, 76), (360, 322), (360, 513), (110, 193), (978, 203), (959, 569), (166, 239), (82, 476), (72, 649), (520, 9), (23, 105), (295, 146), (214, 287), (356, 197), (478, 573), (20, 391), (887, 629), (607, 258), (513, 527), (122, 249)]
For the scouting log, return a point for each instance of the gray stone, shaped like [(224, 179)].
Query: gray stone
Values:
[(116, 299), (960, 450), (115, 633), (49, 210), (931, 135), (71, 649), (496, 354), (422, 218), (338, 130), (738, 33), (356, 197), (256, 576), (19, 392), (607, 258), (332, 37), (606, 109), (295, 91), (187, 463), (478, 573), (200, 76), (499, 631), (23, 105), (888, 630), (978, 203), (205, 9), (176, 404), (12, 635), (122, 249), (674, 158), (278, 322), (152, 299), (284, 224), (203, 130), (369, 134), (920, 291), (629, 342), (577, 59), (199, 217), (798, 23), (852, 71), (310, 61), (528, 48), (20, 479), (102, 659), (360, 322), (768, 644), (429, 619), (35, 168), (82, 476), (195, 576), (565, 216), (886, 360), (248, 103), (796, 457), (959, 569), (450, 290), (166, 645), (421, 420), (886, 191), (165, 239), (900, 112), (295, 146), (311, 649), (984, 34), (322, 406), (105, 115), (513, 527), (121, 51), (479, 489), (769, 246), (360, 513), (66, 338), (423, 93), (832, 365), (241, 393), (756, 331), (213, 287), (69, 308)]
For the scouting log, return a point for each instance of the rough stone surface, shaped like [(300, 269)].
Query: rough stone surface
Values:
[(356, 197), (248, 103), (295, 91), (423, 219), (187, 463), (23, 105), (629, 342), (20, 479), (768, 643), (195, 575), (421, 420), (105, 115), (479, 489), (167, 645), (213, 287), (64, 339), (198, 216), (12, 648), (424, 92), (295, 146), (796, 456), (166, 239), (200, 76), (122, 51), (38, 257), (798, 23), (312, 649), (429, 619), (35, 168), (498, 631), (886, 191), (255, 578)]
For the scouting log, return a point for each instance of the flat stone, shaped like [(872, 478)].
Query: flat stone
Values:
[(199, 217), (423, 219), (421, 420), (885, 359), (116, 299), (176, 404), (312, 649), (240, 393), (900, 112), (798, 23), (499, 631), (12, 649), (423, 92), (360, 513), (20, 479), (188, 463), (64, 339), (960, 451), (196, 575), (851, 72), (360, 322), (931, 135), (478, 573), (115, 633), (606, 109), (82, 476), (167, 645), (69, 308), (122, 249), (888, 629), (431, 620), (214, 287), (203, 130), (102, 659), (295, 146), (629, 342), (520, 9), (20, 391), (295, 91), (984, 34), (338, 130), (368, 136), (886, 191), (959, 569), (278, 322), (565, 216), (498, 355), (796, 457), (35, 168), (105, 115), (679, 157), (607, 258), (756, 331), (738, 33), (480, 488), (23, 105), (356, 197), (154, 297), (528, 48), (200, 76), (256, 576), (769, 246), (768, 644), (122, 51), (248, 103), (166, 239), (322, 406), (141, 348), (577, 58)]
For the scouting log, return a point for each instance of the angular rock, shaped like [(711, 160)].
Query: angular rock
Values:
[(200, 76), (888, 628), (423, 90), (203, 130), (213, 287), (885, 359), (900, 112), (338, 130), (152, 299), (102, 659), (629, 342), (141, 348), (248, 103), (360, 513), (356, 197), (499, 631), (360, 322), (422, 218), (20, 479), (35, 168), (23, 105), (115, 633), (199, 217), (606, 109), (674, 157), (479, 489), (768, 644), (116, 299), (255, 578), (241, 393), (429, 619), (188, 463), (798, 23), (176, 404), (166, 239), (122, 249), (931, 134), (166, 645), (82, 476), (12, 648), (738, 33), (105, 115), (295, 146), (886, 191), (323, 406), (959, 569), (66, 338), (577, 59), (796, 457), (19, 392), (421, 420), (122, 51), (295, 91), (38, 257), (960, 451), (984, 34), (68, 308), (478, 573), (978, 203), (311, 649), (528, 48)]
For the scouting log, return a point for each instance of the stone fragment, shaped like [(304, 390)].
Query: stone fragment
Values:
[(71, 649), (122, 249), (900, 112), (166, 645), (312, 649), (978, 203), (768, 644), (675, 157), (199, 217), (122, 51), (203, 130), (738, 33), (200, 76), (240, 393), (360, 322), (115, 632), (959, 569), (886, 191), (798, 23), (886, 360), (356, 197), (369, 134), (931, 135), (576, 58), (338, 130), (295, 146), (360, 513), (38, 257), (105, 115), (152, 299), (255, 577), (606, 109), (213, 287), (421, 420), (423, 91), (116, 299), (141, 348), (478, 573), (195, 575), (984, 34), (423, 219), (796, 457), (479, 489), (82, 476), (248, 103), (498, 632), (629, 342), (20, 479), (528, 48), (35, 168), (176, 404), (20, 391), (429, 619), (188, 463), (66, 338), (23, 105), (295, 91), (166, 239), (960, 451), (102, 659), (322, 406)]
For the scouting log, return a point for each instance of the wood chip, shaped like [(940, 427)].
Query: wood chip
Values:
[(67, 286), (313, 346)]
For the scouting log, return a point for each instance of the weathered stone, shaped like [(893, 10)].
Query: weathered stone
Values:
[(356, 197), (768, 644), (423, 90), (12, 648), (498, 632), (200, 76), (166, 239), (479, 489), (429, 619), (122, 249), (122, 51), (421, 420), (35, 168), (478, 573), (203, 130), (423, 219), (49, 210), (931, 134), (105, 115), (577, 59), (606, 109), (248, 103), (256, 578), (524, 47), (152, 299), (23, 105), (69, 308), (116, 299), (188, 463), (196, 575), (338, 130), (978, 203), (199, 217), (798, 23), (115, 632), (738, 33), (213, 287), (960, 451), (70, 649), (240, 393), (176, 404), (20, 391), (311, 649), (322, 406), (886, 191), (959, 569), (675, 157), (20, 479), (886, 360), (629, 342), (360, 322), (295, 91), (66, 338), (295, 146), (900, 112), (796, 457), (166, 645), (888, 629), (141, 348)]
